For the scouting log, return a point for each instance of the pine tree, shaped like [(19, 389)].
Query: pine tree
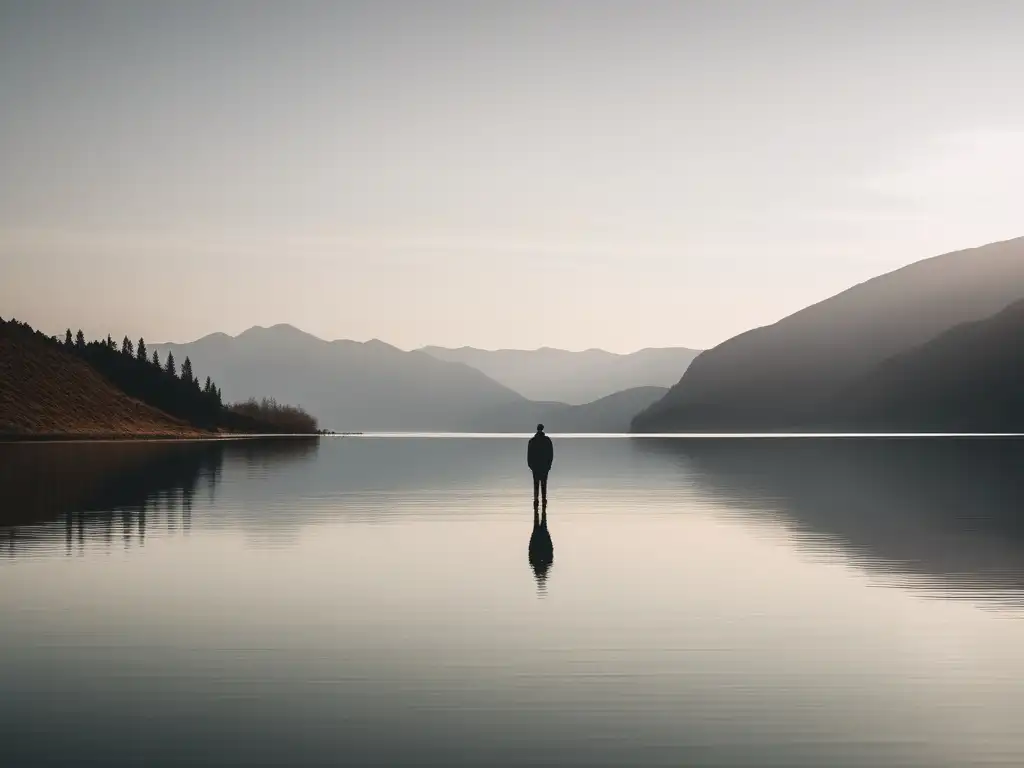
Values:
[(68, 340), (80, 340), (110, 343), (127, 348), (156, 358), (141, 350), (208, 387), (186, 370), (170, 367)]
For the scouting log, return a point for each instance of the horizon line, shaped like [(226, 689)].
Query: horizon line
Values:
[(423, 347)]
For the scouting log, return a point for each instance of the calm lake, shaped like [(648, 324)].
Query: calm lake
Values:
[(375, 601)]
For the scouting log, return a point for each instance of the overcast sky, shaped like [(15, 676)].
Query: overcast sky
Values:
[(515, 174)]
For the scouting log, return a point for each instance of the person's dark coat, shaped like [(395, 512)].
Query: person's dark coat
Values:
[(540, 453)]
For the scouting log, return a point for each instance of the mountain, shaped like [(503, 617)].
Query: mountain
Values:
[(611, 414), (576, 378), (969, 379), (347, 385), (783, 376), (46, 390), (372, 386)]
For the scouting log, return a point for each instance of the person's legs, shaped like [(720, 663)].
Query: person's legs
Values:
[(544, 487), (536, 487)]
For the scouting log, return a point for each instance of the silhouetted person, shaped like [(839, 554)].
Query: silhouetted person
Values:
[(542, 551), (539, 456)]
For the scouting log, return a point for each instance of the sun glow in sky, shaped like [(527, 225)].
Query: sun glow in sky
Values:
[(574, 174)]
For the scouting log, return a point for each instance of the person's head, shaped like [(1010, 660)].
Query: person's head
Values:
[(540, 427)]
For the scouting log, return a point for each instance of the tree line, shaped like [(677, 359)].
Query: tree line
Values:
[(129, 366), (290, 418), (177, 391)]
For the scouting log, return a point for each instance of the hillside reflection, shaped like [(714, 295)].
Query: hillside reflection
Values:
[(946, 512), (121, 491)]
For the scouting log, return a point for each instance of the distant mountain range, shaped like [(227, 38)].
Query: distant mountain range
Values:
[(934, 346), (575, 378), (870, 356), (347, 385), (611, 414), (373, 386)]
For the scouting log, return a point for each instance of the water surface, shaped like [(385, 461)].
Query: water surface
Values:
[(377, 601)]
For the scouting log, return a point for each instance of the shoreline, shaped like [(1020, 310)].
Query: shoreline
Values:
[(120, 437)]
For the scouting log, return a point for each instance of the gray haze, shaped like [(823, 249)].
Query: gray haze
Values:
[(349, 386), (576, 378), (586, 174)]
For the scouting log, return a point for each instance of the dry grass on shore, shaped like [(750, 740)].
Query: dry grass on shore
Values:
[(46, 391)]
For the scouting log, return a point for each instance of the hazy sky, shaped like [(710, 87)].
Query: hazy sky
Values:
[(520, 174)]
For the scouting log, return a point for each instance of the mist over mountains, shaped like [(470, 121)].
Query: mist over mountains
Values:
[(373, 386), (574, 378), (937, 346), (348, 385), (930, 347), (611, 414)]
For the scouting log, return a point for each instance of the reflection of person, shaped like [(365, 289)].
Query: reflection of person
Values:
[(539, 456), (542, 551)]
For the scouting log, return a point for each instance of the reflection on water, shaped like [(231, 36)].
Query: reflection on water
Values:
[(542, 551), (946, 514), (364, 601), (114, 490)]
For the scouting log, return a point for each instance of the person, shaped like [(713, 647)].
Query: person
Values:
[(539, 456)]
